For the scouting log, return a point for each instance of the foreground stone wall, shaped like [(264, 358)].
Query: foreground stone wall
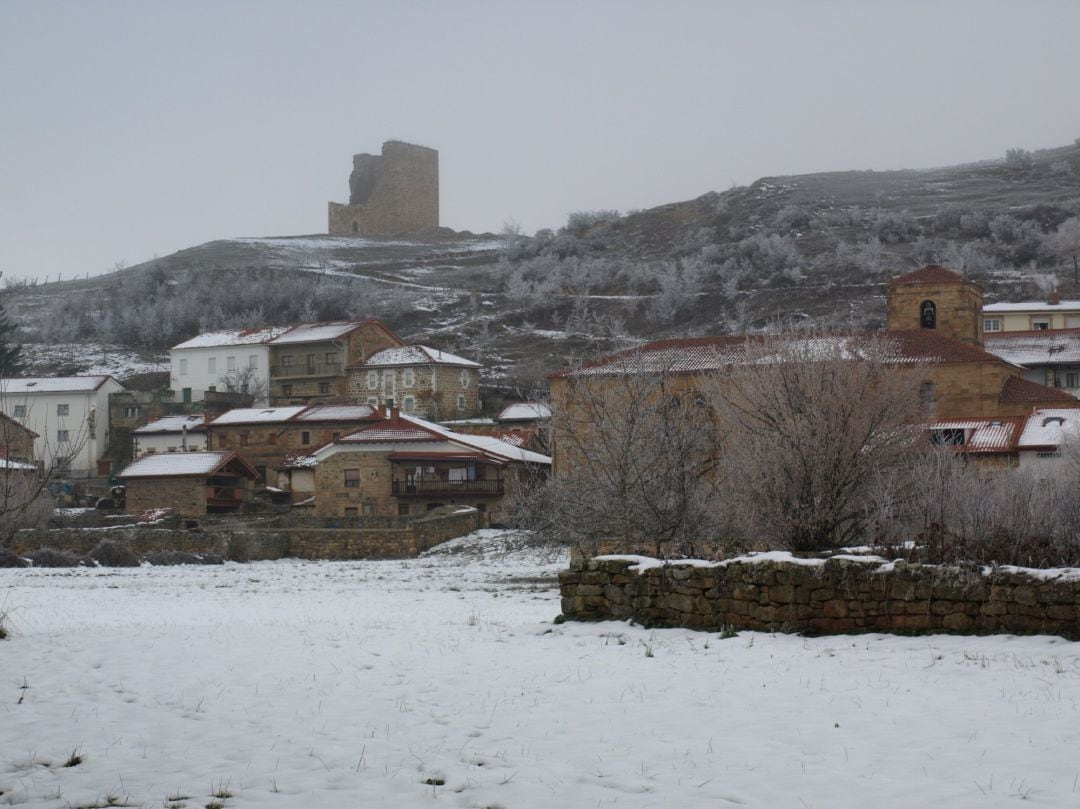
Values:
[(267, 539), (832, 596)]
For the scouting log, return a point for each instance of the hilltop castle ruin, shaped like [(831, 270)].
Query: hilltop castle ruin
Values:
[(391, 194)]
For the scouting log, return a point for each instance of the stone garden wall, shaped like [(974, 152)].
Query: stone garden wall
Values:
[(269, 538), (777, 593)]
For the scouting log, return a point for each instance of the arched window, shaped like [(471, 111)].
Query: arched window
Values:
[(928, 315)]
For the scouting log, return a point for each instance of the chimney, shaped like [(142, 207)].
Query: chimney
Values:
[(1055, 298)]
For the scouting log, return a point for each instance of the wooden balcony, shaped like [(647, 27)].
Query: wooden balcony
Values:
[(442, 488), (306, 369)]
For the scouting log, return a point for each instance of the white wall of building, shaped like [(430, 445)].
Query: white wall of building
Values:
[(71, 424), (200, 369), (168, 442)]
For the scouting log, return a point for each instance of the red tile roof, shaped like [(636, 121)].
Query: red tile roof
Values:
[(930, 274), (1018, 390), (984, 435), (702, 354)]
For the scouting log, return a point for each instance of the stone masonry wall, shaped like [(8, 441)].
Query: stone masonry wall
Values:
[(394, 193), (374, 539), (834, 596)]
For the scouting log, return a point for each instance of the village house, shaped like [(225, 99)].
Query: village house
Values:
[(69, 415), (1049, 357), (1048, 315), (308, 362), (402, 465), (16, 442), (421, 381), (170, 434), (934, 324), (522, 424), (266, 437), (236, 360), (191, 483)]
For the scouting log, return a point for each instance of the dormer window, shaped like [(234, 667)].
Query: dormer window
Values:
[(928, 315)]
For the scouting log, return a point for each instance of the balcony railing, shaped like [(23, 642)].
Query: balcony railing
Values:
[(306, 369), (425, 488)]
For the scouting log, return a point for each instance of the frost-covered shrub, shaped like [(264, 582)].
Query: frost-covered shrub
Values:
[(52, 557), (1019, 159), (9, 559), (581, 221), (114, 554), (168, 558)]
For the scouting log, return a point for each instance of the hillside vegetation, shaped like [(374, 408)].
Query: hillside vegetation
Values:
[(817, 246)]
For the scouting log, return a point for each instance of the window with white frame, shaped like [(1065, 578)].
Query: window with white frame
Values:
[(464, 378), (20, 411), (253, 360), (461, 402), (183, 366), (230, 363), (408, 378), (211, 365), (372, 380), (1040, 325), (410, 404), (63, 410), (992, 324), (373, 401), (61, 436), (1072, 379)]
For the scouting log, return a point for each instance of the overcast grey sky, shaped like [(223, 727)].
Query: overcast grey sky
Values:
[(130, 129)]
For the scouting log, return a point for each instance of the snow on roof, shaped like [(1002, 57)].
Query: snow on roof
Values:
[(1036, 347), (257, 415), (389, 431), (232, 337), (53, 384), (17, 465), (984, 435), (337, 413), (1049, 427), (177, 464), (696, 355), (412, 429), (524, 411), (416, 355), (1029, 306), (318, 332), (172, 424), (487, 443), (299, 460)]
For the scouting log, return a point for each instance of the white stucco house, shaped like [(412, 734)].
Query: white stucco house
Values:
[(70, 415), (221, 361), (170, 434)]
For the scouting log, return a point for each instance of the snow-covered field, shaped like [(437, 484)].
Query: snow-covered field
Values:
[(443, 681)]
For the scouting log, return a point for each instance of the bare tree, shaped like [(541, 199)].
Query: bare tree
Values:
[(246, 380), (1066, 243), (811, 423), (635, 463)]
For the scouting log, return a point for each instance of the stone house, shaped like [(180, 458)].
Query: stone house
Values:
[(308, 362), (266, 437), (16, 441), (421, 381), (69, 415), (191, 483), (934, 324), (402, 465)]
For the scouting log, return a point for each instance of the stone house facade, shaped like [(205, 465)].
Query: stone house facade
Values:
[(405, 466), (192, 483), (267, 437), (16, 441), (420, 381), (308, 362)]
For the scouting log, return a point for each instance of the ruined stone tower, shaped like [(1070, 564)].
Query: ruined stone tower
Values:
[(391, 194)]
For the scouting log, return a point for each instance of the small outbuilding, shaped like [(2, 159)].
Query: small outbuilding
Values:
[(191, 483)]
